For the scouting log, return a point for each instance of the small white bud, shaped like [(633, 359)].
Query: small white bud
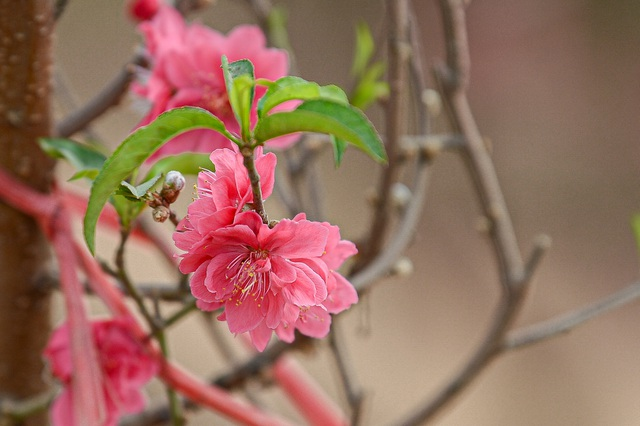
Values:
[(174, 180), (401, 195), (431, 98), (403, 267)]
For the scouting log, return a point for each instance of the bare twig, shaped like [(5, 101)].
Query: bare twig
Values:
[(563, 323), (422, 147), (399, 55), (403, 234), (16, 412), (59, 8), (430, 145), (131, 289), (352, 388), (110, 96), (454, 78)]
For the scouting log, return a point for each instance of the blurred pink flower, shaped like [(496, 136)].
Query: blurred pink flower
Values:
[(185, 71), (125, 366)]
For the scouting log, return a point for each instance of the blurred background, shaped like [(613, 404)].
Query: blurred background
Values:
[(555, 88)]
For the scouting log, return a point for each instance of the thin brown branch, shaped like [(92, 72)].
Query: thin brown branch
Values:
[(352, 388), (131, 289), (563, 323), (423, 148), (16, 412), (540, 246), (395, 115), (430, 145), (110, 96), (59, 8), (453, 79), (403, 235)]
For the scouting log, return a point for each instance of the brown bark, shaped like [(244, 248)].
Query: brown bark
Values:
[(25, 67)]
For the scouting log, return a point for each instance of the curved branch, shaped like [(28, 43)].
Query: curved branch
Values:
[(453, 79), (563, 323), (110, 96), (399, 55)]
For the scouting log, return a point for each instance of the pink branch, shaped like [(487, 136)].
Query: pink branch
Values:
[(308, 397), (88, 398)]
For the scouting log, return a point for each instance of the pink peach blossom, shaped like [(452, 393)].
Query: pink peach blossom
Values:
[(221, 195), (125, 366), (185, 71), (259, 274), (267, 279), (315, 321), (229, 185)]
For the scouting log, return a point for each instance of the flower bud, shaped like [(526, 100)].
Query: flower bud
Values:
[(173, 184), (403, 267), (161, 213), (400, 195), (174, 180)]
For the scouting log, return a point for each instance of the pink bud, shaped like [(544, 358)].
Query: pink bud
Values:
[(143, 10)]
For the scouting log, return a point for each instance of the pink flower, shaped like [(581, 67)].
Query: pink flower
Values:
[(185, 71), (259, 274), (266, 279), (125, 366), (229, 185), (315, 321), (221, 195)]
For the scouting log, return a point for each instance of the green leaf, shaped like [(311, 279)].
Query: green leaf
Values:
[(85, 173), (321, 116), (363, 49), (188, 163), (369, 87), (339, 147), (240, 82), (135, 149), (86, 159), (137, 192), (295, 88)]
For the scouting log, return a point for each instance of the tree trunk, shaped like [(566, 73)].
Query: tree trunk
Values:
[(25, 86)]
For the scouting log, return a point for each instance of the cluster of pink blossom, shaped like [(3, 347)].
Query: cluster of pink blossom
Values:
[(185, 70), (123, 362), (267, 278)]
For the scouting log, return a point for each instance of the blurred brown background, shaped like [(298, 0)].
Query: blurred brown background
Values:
[(555, 86)]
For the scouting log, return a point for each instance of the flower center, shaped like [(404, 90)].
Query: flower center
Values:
[(249, 273)]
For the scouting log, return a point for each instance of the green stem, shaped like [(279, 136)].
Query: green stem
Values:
[(187, 308), (128, 285), (254, 178)]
